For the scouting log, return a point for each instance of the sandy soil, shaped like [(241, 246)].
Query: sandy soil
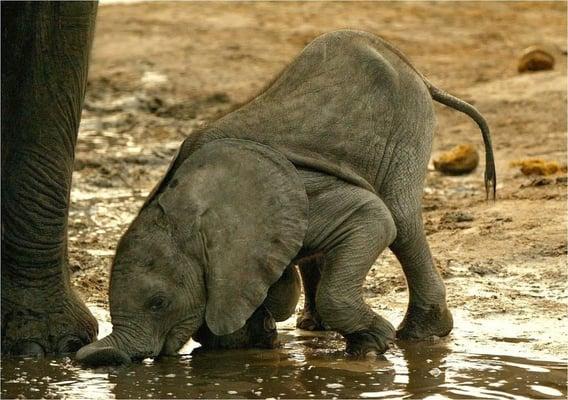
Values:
[(161, 70)]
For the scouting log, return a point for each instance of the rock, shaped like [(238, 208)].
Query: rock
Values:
[(460, 160), (535, 58), (456, 216), (541, 182), (536, 166)]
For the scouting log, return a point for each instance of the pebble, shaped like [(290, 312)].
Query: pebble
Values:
[(456, 216)]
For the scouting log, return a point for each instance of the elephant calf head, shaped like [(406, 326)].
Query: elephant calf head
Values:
[(204, 250)]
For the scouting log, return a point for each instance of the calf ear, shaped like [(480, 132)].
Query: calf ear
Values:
[(162, 181), (252, 209)]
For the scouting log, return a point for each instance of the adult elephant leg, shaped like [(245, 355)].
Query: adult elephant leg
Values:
[(310, 269), (45, 53), (427, 314)]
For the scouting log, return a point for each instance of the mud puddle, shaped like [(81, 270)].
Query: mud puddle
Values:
[(308, 365)]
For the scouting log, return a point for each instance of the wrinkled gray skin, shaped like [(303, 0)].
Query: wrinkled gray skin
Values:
[(45, 54), (260, 329), (325, 169)]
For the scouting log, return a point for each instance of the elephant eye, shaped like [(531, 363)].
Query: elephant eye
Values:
[(157, 303)]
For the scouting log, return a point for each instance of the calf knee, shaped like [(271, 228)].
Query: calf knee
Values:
[(386, 228), (381, 227)]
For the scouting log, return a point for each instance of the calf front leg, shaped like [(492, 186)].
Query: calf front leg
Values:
[(310, 269), (283, 296)]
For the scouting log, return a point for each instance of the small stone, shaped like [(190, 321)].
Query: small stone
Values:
[(456, 216), (232, 392), (541, 182), (435, 372), (459, 160), (535, 58)]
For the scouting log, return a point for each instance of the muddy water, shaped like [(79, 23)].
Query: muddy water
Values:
[(307, 365)]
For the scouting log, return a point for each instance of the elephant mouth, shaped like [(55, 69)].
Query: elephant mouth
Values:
[(179, 335), (258, 332)]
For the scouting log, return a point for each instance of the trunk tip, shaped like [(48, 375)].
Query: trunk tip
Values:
[(96, 356)]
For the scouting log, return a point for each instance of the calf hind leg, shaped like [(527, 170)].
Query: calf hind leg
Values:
[(352, 250), (427, 314)]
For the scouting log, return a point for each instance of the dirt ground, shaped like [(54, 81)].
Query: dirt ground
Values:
[(161, 70)]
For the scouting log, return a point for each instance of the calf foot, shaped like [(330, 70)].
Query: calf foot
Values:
[(376, 340), (310, 320), (424, 322)]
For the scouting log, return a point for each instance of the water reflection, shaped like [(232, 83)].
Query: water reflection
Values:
[(307, 366)]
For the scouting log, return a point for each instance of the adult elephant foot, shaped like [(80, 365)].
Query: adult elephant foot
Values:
[(422, 323), (41, 317), (376, 340)]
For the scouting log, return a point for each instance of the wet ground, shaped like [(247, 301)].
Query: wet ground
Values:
[(308, 365)]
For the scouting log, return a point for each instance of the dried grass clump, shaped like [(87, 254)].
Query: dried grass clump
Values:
[(537, 166)]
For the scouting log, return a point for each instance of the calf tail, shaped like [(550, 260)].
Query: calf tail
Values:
[(466, 108), (457, 104)]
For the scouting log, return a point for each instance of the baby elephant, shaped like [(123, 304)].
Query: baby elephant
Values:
[(324, 170)]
